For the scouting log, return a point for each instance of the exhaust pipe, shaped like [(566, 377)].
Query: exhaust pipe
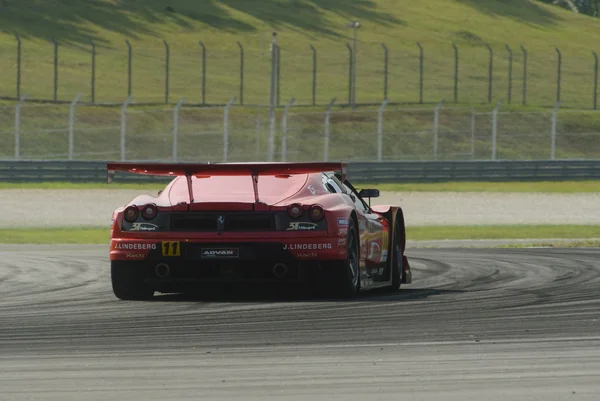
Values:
[(280, 270), (162, 270)]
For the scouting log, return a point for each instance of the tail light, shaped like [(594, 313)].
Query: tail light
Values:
[(295, 210), (149, 211), (131, 214), (316, 213)]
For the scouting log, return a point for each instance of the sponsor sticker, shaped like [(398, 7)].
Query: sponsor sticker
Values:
[(134, 246), (306, 255), (171, 248), (312, 189), (143, 227), (342, 231), (220, 253), (301, 247), (342, 221), (342, 241), (374, 249), (134, 255), (301, 226), (384, 256), (385, 240)]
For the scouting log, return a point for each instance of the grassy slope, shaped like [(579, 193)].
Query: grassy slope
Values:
[(221, 23), (92, 235), (539, 187)]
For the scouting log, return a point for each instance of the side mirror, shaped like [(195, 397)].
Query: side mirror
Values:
[(369, 193)]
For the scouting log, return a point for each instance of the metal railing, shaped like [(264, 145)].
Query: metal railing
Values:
[(242, 133), (386, 172)]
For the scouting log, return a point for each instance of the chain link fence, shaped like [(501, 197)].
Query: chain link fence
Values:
[(234, 133), (159, 72)]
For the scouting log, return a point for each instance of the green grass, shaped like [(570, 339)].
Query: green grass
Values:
[(502, 232), (72, 185), (556, 244), (92, 235), (87, 235), (538, 187), (436, 24)]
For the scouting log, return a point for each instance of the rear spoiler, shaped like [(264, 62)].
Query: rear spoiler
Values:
[(222, 169)]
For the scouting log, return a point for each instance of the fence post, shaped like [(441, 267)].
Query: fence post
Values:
[(129, 67), (203, 72), (314, 75), (495, 128), (595, 80), (436, 128), (18, 127), (327, 131), (124, 126), (241, 73), (385, 71), (271, 140), (278, 72), (55, 97), (490, 73), (167, 60), (226, 129), (472, 133), (272, 91), (72, 125), (380, 130), (349, 74), (93, 83), (558, 73), (18, 66), (553, 131), (176, 129), (284, 129), (524, 75), (510, 65), (455, 72), (420, 73)]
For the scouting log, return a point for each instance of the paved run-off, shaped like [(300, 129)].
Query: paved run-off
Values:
[(72, 207)]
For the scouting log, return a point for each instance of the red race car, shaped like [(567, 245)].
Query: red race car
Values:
[(255, 222)]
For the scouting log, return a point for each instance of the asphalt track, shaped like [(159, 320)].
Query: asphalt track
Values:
[(476, 324)]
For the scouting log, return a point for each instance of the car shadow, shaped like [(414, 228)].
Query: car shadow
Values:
[(232, 294)]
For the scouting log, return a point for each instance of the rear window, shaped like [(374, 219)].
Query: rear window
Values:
[(271, 189)]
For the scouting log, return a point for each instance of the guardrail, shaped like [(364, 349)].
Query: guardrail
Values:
[(386, 172)]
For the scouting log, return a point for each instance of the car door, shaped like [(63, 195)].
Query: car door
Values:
[(374, 237)]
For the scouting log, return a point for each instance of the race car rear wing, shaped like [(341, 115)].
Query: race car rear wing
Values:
[(222, 169)]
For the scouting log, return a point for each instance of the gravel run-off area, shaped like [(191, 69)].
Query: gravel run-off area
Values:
[(71, 208)]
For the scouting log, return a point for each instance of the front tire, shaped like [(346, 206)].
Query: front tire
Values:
[(128, 281)]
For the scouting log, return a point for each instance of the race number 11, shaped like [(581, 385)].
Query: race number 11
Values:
[(171, 248)]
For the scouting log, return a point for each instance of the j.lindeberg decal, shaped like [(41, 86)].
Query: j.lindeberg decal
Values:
[(134, 246), (293, 247)]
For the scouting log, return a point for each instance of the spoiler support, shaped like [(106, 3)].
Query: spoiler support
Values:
[(222, 169)]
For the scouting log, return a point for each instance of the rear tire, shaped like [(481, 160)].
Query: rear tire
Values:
[(397, 257), (128, 281), (349, 276)]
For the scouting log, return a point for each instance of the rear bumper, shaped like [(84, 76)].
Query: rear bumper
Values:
[(231, 250), (219, 261)]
